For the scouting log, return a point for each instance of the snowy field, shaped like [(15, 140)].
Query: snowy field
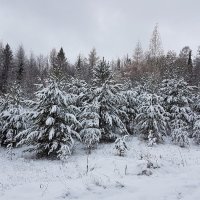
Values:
[(163, 172)]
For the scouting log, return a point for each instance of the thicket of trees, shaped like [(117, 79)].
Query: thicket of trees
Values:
[(47, 103)]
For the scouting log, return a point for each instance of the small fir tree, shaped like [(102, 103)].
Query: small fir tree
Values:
[(179, 133), (13, 117), (178, 99), (152, 118), (54, 122), (90, 132), (107, 94), (130, 108)]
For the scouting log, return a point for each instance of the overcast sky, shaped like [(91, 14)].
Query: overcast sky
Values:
[(113, 27)]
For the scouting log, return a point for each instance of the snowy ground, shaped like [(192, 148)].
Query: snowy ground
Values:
[(175, 175)]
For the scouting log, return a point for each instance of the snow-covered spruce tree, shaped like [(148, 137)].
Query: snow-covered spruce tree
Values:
[(196, 127), (130, 108), (177, 101), (120, 145), (106, 94), (151, 118), (54, 122), (196, 109), (179, 132), (2, 107), (89, 118), (12, 117), (196, 133), (196, 99)]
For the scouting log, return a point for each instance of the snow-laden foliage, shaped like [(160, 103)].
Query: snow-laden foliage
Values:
[(148, 84), (196, 127), (152, 140), (2, 106), (152, 118), (130, 108), (121, 146), (196, 104), (13, 120), (176, 92), (196, 133), (2, 102), (179, 124), (177, 101), (180, 135), (89, 118), (12, 117), (53, 123), (112, 116), (196, 99), (78, 88)]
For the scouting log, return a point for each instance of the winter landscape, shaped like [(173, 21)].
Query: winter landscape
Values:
[(161, 172), (98, 126)]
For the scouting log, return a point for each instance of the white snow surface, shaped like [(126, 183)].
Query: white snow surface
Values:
[(109, 176)]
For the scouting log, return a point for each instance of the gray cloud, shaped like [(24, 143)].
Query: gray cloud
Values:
[(112, 26)]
